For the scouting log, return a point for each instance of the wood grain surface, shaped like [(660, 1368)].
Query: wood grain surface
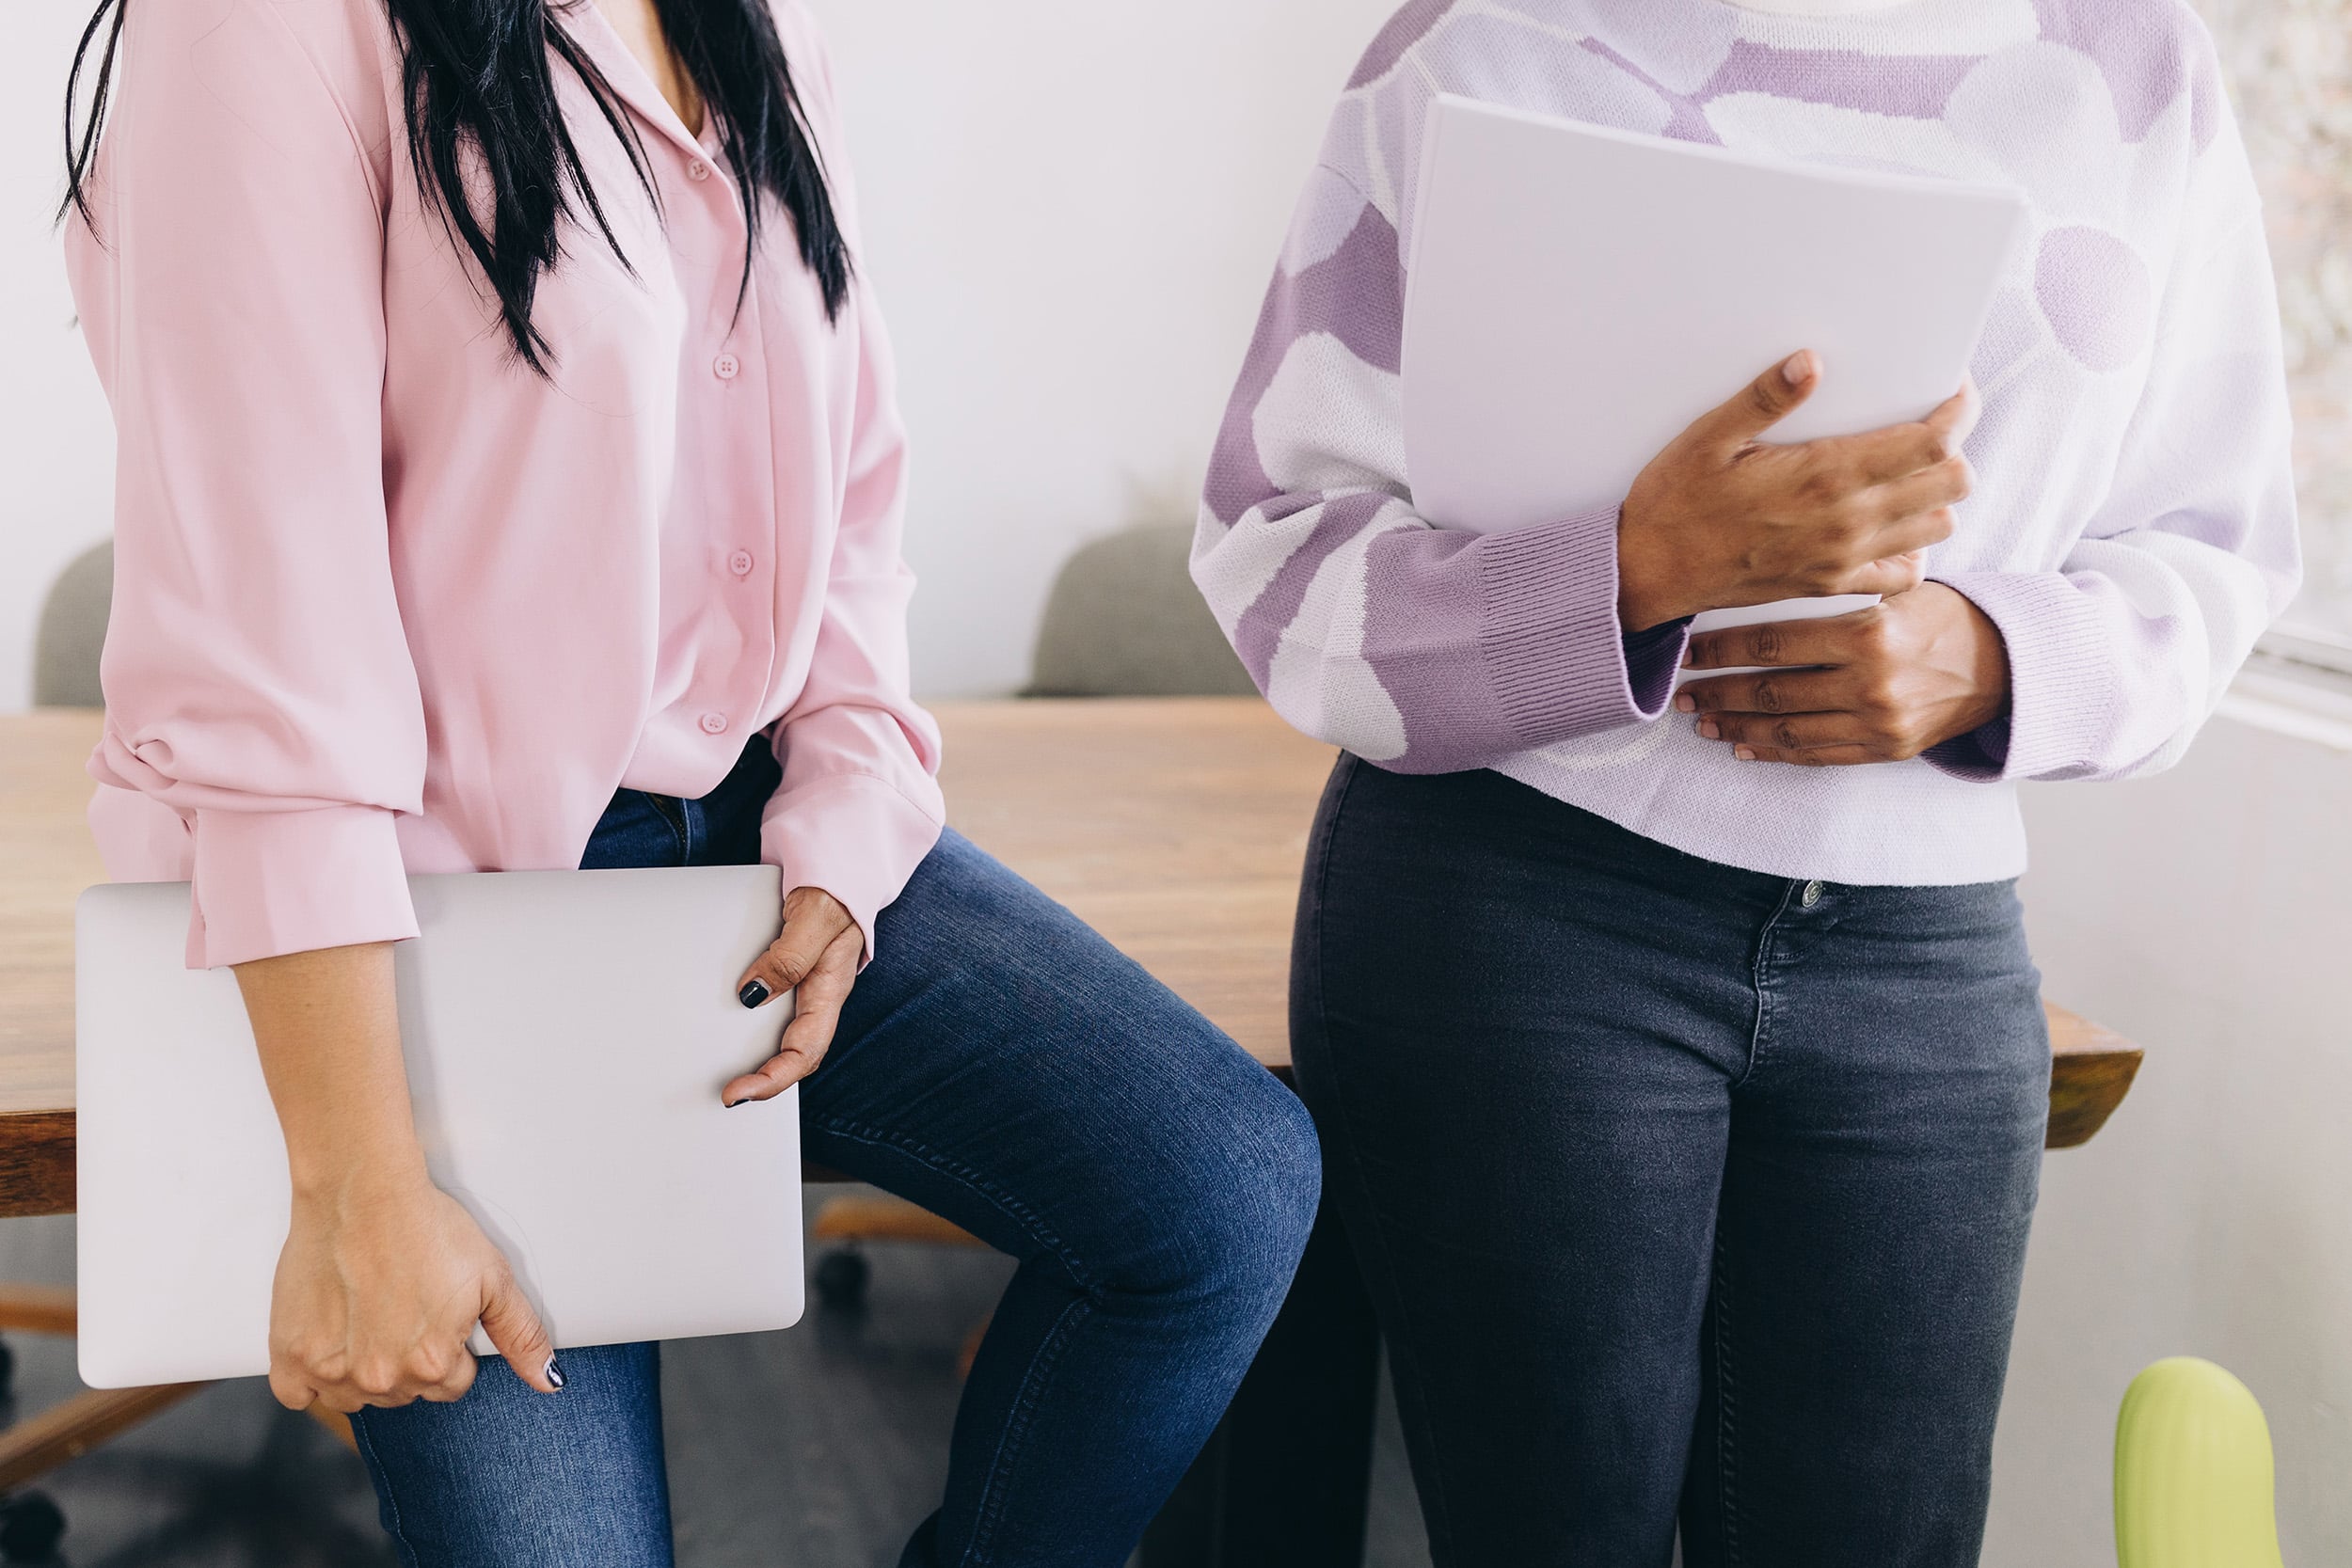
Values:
[(1175, 826)]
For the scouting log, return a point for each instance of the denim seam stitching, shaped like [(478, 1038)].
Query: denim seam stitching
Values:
[(963, 1175), (1726, 1411), (1760, 977), (1441, 1527), (392, 1504), (672, 813), (980, 1551)]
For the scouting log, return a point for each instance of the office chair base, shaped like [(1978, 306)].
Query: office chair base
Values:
[(842, 1275), (30, 1527)]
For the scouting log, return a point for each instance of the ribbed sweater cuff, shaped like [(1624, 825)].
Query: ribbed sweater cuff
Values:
[(1561, 662), (2063, 683)]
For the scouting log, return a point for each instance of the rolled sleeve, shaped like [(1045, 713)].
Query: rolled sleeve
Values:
[(285, 881), (852, 835)]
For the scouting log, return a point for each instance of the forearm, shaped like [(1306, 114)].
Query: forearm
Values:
[(326, 1026)]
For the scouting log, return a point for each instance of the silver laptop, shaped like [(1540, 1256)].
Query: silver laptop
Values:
[(567, 1033)]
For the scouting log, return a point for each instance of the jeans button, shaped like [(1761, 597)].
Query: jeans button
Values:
[(1812, 894)]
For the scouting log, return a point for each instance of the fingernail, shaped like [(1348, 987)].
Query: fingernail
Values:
[(1797, 368), (1743, 753), (733, 1103), (1687, 704), (1707, 728), (753, 993), (555, 1374)]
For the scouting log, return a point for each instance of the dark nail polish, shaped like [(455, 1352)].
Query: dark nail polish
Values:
[(753, 993), (555, 1374), (733, 1103)]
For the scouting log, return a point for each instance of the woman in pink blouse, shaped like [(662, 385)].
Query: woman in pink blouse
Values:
[(510, 477)]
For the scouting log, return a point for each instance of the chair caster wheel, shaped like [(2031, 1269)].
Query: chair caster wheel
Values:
[(841, 1277), (30, 1527)]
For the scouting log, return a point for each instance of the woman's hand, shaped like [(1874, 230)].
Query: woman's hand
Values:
[(378, 1287), (817, 959), (1880, 685), (383, 1276), (1721, 519)]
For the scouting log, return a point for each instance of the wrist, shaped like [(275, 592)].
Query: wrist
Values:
[(356, 1173), (1642, 603), (1985, 660)]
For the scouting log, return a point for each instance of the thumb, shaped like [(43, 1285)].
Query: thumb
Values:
[(507, 1317), (1764, 402)]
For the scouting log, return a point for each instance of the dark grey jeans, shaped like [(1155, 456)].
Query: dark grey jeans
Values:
[(1682, 1192)]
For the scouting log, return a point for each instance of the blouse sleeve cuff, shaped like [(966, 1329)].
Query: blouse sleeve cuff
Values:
[(268, 883), (851, 834), (1562, 662), (2063, 689)]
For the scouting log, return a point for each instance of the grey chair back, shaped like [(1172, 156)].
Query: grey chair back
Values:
[(72, 630), (1124, 620)]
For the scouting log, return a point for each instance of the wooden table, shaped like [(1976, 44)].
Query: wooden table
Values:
[(1175, 826)]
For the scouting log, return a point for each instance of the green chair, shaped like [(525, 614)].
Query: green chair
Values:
[(2193, 1472), (1123, 620), (72, 630)]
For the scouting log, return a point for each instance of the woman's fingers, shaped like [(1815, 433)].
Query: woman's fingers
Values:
[(1762, 403), (1941, 485), (1757, 732), (812, 922), (518, 1336), (1827, 641), (1895, 574), (1778, 692), (452, 1387), (1896, 451), (817, 1013), (288, 1389), (1824, 756)]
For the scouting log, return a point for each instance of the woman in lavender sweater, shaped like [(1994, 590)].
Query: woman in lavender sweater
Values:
[(1678, 1060)]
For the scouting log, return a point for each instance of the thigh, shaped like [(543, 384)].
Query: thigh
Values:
[(1003, 1065), (1517, 1028), (511, 1478), (1885, 1160)]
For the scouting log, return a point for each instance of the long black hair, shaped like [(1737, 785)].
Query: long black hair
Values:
[(480, 81)]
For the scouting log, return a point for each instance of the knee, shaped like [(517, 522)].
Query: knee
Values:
[(1240, 1223)]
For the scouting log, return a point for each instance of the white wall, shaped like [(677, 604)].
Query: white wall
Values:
[(1071, 207), (2208, 914), (1072, 210), (56, 449)]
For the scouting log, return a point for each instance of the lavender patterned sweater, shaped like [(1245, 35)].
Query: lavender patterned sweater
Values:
[(2133, 527)]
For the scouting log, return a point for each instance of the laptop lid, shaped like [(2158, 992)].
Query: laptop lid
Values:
[(566, 1034)]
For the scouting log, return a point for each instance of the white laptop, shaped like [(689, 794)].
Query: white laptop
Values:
[(1578, 294), (568, 1034)]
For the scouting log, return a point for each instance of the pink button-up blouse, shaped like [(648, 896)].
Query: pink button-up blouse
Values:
[(387, 602)]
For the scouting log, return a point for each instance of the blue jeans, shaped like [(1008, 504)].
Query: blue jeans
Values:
[(1004, 1067), (1679, 1189)]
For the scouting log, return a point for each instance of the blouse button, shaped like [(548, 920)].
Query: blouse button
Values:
[(698, 170), (714, 723), (725, 366), (740, 564)]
